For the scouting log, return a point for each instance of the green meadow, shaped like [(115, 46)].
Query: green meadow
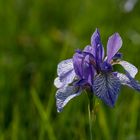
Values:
[(35, 35)]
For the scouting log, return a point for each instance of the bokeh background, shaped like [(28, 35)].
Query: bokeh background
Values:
[(35, 35)]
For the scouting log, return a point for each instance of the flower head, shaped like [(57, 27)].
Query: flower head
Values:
[(90, 70)]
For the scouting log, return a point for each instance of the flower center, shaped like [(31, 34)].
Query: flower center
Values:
[(106, 67)]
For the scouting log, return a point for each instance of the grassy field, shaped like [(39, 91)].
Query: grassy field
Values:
[(37, 34)]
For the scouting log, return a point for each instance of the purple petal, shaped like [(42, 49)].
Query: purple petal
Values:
[(128, 81), (131, 69), (64, 95), (98, 49), (88, 70), (82, 67), (106, 67), (95, 38), (106, 87), (92, 73), (134, 84), (113, 45), (81, 83), (89, 49), (86, 67), (77, 62)]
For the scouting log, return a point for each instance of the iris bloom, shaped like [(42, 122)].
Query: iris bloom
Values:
[(90, 70)]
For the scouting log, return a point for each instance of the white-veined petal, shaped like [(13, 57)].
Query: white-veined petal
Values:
[(64, 95), (129, 81), (123, 78), (129, 68), (65, 72), (64, 67)]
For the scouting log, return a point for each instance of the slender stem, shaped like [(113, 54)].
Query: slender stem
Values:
[(91, 114), (90, 123)]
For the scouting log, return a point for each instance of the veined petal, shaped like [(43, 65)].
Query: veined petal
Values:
[(64, 67), (83, 67), (98, 50), (86, 67), (113, 45), (65, 79), (64, 95), (134, 84), (106, 87), (123, 78), (65, 73), (128, 80), (129, 68), (77, 62)]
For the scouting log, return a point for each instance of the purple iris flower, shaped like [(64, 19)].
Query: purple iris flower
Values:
[(90, 70)]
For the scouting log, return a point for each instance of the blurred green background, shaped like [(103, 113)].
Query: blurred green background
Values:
[(35, 35)]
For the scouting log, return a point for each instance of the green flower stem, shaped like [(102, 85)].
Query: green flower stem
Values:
[(91, 114)]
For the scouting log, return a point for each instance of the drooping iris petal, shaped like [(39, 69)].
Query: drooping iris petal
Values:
[(98, 49), (134, 84), (64, 95), (81, 83), (106, 87), (129, 68), (123, 79), (66, 74), (128, 81), (64, 67), (65, 79), (113, 45)]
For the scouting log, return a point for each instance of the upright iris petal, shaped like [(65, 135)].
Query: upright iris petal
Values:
[(113, 45), (77, 62), (98, 50), (83, 68)]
